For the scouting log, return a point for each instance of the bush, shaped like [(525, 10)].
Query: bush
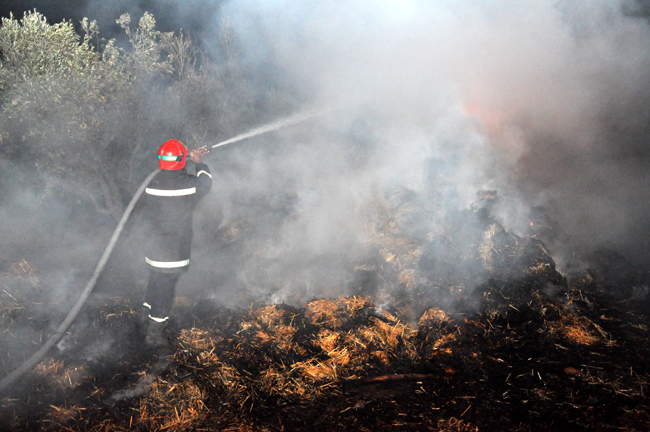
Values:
[(87, 115)]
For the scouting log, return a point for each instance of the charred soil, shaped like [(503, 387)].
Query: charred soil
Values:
[(482, 334)]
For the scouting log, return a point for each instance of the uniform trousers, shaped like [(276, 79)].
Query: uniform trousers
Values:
[(159, 297)]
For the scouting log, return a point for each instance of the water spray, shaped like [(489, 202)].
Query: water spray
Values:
[(279, 124), (38, 355)]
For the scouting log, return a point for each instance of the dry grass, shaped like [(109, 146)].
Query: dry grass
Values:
[(573, 328), (60, 415), (323, 312), (271, 359), (441, 346), (23, 269), (275, 358), (327, 340), (197, 339), (455, 425), (354, 304), (315, 370), (272, 316), (579, 334), (172, 406), (432, 317), (273, 362), (18, 287), (58, 375)]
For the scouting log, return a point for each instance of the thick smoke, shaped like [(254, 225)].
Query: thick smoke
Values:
[(556, 89), (545, 102)]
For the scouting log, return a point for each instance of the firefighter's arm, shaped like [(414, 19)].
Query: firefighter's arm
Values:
[(204, 178)]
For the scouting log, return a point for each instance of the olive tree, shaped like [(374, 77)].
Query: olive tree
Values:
[(64, 102), (87, 114)]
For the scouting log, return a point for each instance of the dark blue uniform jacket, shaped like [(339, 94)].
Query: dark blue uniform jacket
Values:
[(169, 201)]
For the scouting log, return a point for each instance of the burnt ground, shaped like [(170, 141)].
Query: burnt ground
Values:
[(482, 334), (524, 363)]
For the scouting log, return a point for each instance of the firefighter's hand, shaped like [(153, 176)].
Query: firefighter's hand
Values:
[(195, 156)]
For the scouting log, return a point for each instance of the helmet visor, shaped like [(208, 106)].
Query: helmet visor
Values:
[(172, 158)]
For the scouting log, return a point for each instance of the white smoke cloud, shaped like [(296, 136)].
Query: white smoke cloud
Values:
[(525, 97), (516, 93)]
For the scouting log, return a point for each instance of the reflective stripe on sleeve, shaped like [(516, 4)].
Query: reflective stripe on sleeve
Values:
[(159, 320), (167, 264), (204, 172), (170, 193)]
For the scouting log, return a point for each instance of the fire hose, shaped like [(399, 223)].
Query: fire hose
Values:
[(63, 327), (38, 355)]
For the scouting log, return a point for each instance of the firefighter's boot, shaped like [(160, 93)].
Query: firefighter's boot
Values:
[(143, 317), (155, 337)]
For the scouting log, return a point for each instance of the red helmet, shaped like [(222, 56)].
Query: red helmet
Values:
[(172, 155)]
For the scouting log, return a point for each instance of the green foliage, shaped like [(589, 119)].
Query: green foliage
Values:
[(88, 114), (145, 56), (61, 98), (37, 48), (54, 93), (182, 56)]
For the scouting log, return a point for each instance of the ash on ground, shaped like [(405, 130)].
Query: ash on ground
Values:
[(451, 324)]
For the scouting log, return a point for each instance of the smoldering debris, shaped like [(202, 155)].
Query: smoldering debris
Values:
[(502, 341), (330, 365)]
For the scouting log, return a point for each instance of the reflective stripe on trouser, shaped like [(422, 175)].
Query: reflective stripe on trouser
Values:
[(148, 306), (167, 264), (160, 294)]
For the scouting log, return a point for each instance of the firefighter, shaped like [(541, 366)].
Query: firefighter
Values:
[(167, 211)]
